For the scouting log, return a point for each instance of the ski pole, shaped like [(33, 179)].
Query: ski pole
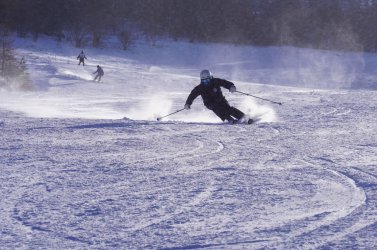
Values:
[(259, 97), (159, 118)]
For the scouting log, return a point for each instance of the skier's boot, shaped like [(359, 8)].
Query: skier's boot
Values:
[(231, 120)]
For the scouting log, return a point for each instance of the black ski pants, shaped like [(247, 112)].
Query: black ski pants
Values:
[(227, 112), (98, 76)]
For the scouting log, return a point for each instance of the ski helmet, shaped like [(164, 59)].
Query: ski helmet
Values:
[(205, 74)]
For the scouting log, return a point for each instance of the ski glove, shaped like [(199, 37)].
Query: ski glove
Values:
[(232, 89), (187, 106)]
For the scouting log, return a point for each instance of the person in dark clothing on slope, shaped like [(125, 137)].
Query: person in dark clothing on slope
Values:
[(213, 98), (81, 57), (99, 73)]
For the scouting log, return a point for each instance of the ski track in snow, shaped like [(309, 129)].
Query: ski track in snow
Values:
[(305, 181)]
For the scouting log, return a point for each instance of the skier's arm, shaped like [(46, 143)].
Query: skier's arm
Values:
[(224, 83), (194, 94), (227, 84)]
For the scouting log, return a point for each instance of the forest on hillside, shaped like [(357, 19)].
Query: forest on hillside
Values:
[(335, 25)]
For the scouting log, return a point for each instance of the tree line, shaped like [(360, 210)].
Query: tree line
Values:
[(323, 24)]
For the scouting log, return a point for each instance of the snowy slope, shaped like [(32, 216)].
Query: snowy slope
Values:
[(76, 175)]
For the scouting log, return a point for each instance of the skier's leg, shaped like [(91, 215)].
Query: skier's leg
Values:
[(228, 112), (220, 114), (236, 113), (240, 116), (222, 111)]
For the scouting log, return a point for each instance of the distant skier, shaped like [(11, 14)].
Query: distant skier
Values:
[(213, 98), (81, 57), (99, 73)]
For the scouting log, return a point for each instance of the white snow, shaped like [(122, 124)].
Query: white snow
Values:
[(86, 165)]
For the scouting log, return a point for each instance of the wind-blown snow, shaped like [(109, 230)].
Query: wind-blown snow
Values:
[(86, 164)]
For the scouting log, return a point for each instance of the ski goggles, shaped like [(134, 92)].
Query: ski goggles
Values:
[(206, 81)]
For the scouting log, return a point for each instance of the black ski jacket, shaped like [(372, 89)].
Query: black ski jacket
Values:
[(211, 93), (81, 56), (99, 71)]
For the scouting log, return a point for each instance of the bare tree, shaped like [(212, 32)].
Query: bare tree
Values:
[(125, 36), (5, 48), (12, 71), (334, 24)]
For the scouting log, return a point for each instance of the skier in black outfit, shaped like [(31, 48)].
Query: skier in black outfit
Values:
[(213, 98), (99, 73), (81, 57)]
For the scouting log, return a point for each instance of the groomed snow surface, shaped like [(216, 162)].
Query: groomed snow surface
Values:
[(86, 165)]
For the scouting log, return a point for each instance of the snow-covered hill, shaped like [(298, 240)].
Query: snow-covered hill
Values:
[(86, 164)]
